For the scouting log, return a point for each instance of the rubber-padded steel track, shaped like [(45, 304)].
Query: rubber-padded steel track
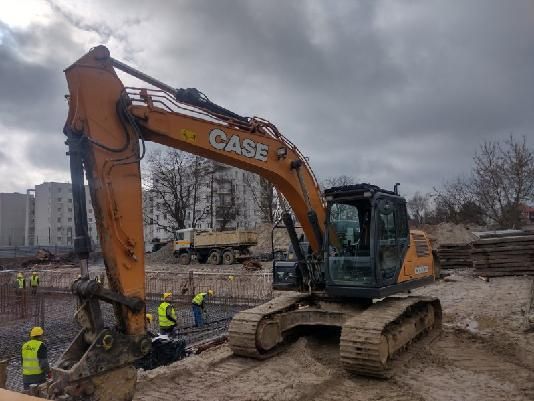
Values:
[(244, 326), (363, 336)]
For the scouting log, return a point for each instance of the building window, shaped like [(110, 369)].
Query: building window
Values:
[(90, 219), (70, 209), (59, 219), (59, 199), (59, 238), (59, 189), (59, 209), (70, 219), (70, 200)]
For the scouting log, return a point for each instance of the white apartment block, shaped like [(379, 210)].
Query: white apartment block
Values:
[(54, 216), (228, 188), (12, 219)]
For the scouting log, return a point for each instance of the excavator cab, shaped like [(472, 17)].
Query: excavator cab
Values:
[(365, 247), (366, 239)]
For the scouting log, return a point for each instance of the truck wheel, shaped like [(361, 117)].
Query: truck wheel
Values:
[(228, 257), (215, 258), (185, 258)]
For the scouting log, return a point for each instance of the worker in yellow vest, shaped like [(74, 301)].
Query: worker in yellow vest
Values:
[(21, 282), (34, 282), (166, 315), (199, 307), (35, 368)]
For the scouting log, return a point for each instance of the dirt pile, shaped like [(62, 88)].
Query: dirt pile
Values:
[(448, 233), (163, 255)]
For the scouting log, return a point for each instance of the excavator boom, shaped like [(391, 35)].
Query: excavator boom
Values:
[(106, 130), (360, 244)]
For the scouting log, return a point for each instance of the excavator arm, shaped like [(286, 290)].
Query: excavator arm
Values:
[(106, 130)]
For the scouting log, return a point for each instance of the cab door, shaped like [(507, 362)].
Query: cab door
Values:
[(387, 249)]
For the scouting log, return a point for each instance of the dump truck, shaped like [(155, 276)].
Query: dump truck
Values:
[(213, 247)]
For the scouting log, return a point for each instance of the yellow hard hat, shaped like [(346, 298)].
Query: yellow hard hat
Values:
[(149, 317), (36, 331), (34, 273), (211, 293), (20, 275), (230, 278), (167, 295)]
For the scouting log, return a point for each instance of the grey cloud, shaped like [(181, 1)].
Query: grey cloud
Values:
[(32, 92), (383, 91)]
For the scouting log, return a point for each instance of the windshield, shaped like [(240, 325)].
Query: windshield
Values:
[(349, 258)]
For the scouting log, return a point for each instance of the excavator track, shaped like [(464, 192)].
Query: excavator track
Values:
[(244, 327), (372, 339)]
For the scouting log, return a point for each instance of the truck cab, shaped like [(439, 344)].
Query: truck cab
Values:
[(184, 239)]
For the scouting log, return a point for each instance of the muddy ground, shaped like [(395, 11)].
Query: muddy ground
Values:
[(482, 354)]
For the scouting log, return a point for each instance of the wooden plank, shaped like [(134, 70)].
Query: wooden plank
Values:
[(491, 273), (526, 239), (514, 247), (505, 257), (503, 267)]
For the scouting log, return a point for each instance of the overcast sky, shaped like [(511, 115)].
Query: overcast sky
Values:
[(385, 91)]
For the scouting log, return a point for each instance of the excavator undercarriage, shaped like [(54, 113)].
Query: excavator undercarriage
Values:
[(372, 334)]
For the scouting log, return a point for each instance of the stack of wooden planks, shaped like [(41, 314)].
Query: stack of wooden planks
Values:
[(453, 256), (504, 255)]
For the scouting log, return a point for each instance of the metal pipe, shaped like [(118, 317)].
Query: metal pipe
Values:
[(142, 76)]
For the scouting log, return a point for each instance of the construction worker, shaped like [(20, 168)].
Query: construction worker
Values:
[(35, 368), (34, 282), (21, 282), (199, 307), (166, 315)]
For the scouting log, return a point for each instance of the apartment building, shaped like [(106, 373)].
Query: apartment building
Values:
[(12, 219), (54, 216)]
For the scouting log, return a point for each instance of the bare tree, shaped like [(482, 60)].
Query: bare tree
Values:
[(337, 181), (264, 196), (502, 180), (419, 207), (173, 180)]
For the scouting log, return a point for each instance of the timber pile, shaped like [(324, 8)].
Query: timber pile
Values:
[(455, 256), (504, 255)]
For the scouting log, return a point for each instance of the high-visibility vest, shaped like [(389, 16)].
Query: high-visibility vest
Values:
[(20, 282), (30, 361), (199, 298), (34, 281), (162, 315)]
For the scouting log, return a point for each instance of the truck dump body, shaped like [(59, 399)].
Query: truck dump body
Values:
[(226, 239)]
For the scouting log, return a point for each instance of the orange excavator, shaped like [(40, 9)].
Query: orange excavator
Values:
[(354, 275)]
